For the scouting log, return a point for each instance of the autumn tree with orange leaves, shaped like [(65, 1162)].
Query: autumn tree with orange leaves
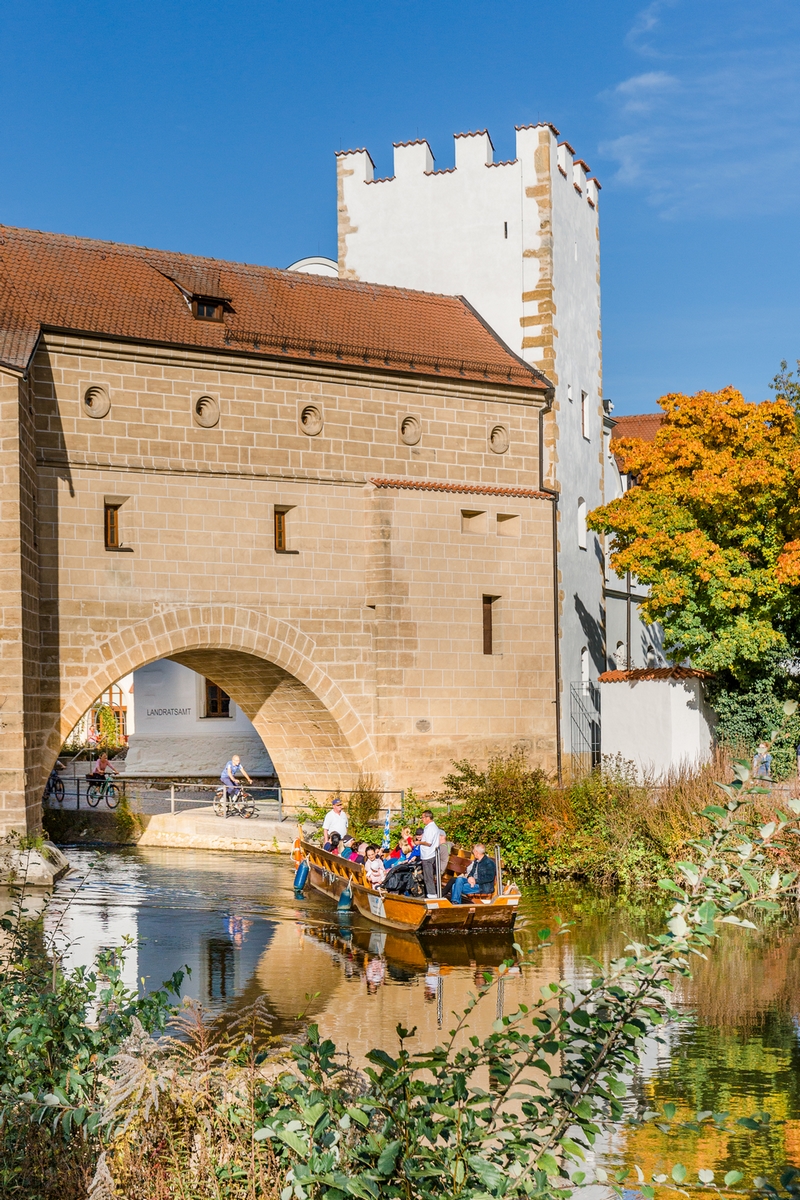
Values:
[(712, 527)]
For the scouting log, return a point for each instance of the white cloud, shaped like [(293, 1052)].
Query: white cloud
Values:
[(720, 131), (640, 92)]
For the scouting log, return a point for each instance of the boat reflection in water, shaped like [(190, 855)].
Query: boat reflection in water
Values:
[(358, 982)]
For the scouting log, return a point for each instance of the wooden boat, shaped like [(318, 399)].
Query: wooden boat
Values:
[(332, 875)]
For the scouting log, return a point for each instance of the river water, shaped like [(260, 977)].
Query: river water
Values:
[(235, 922)]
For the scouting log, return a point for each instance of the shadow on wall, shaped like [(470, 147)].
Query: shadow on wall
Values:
[(593, 633)]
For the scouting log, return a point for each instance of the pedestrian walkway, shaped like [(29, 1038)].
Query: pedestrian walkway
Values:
[(200, 829)]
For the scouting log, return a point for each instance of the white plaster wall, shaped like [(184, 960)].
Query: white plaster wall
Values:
[(172, 734), (496, 234), (660, 724), (440, 231), (580, 459)]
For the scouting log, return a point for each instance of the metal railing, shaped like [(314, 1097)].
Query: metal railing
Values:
[(584, 711), (283, 802)]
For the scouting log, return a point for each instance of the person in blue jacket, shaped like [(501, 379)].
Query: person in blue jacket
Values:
[(478, 877)]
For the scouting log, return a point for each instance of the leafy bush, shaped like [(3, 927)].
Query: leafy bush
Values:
[(214, 1116), (58, 1032), (223, 1110), (107, 727), (765, 711), (606, 828)]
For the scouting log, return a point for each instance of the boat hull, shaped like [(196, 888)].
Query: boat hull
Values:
[(332, 876)]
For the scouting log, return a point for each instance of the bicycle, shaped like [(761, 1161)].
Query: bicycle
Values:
[(54, 788), (102, 789), (240, 804)]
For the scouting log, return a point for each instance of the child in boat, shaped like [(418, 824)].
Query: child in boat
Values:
[(374, 869), (348, 848), (333, 844)]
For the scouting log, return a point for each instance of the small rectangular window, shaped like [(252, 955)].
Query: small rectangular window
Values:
[(111, 526), (585, 415), (218, 703), (207, 310), (280, 529), (505, 228), (488, 625)]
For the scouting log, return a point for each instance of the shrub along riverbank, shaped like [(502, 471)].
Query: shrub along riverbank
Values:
[(607, 829), (95, 1103)]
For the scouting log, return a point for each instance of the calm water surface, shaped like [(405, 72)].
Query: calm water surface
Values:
[(234, 920)]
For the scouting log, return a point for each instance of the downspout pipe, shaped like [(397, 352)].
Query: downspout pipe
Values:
[(556, 623)]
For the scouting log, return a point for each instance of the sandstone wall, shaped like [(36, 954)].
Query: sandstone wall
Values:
[(360, 648)]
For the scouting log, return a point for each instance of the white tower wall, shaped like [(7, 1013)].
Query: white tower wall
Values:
[(520, 241)]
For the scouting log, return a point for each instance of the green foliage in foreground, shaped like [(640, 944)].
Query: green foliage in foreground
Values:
[(215, 1113), (58, 1033), (605, 828), (762, 709)]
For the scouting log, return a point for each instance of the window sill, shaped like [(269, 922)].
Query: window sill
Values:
[(212, 717), (119, 549), (287, 551)]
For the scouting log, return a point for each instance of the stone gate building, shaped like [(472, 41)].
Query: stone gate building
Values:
[(325, 496)]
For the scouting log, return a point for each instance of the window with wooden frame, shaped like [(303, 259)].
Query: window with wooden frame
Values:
[(111, 526), (206, 308), (218, 703), (280, 530), (488, 623)]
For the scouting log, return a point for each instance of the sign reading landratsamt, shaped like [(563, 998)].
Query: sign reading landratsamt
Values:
[(169, 712)]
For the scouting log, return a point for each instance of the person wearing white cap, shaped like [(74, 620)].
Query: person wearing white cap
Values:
[(335, 821)]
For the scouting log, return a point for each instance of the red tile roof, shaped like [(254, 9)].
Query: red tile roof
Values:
[(475, 489), (104, 289), (650, 673), (644, 426)]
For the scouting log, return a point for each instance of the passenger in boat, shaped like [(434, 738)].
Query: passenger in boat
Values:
[(374, 869), (414, 852), (336, 820), (429, 853), (359, 854), (478, 877), (333, 843), (347, 848)]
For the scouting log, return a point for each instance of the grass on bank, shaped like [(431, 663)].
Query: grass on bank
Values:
[(607, 828)]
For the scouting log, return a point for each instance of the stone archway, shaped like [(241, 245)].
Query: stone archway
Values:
[(311, 730)]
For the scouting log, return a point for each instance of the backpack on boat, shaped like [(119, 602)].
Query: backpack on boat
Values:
[(406, 879)]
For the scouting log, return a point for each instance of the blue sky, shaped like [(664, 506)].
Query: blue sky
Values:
[(211, 128)]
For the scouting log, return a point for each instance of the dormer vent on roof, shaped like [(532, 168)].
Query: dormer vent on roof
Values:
[(202, 289)]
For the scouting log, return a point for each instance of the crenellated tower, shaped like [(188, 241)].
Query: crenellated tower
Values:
[(520, 240)]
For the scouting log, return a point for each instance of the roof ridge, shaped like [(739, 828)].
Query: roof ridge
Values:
[(298, 278)]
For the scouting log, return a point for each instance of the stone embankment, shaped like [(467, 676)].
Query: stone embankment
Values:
[(192, 829)]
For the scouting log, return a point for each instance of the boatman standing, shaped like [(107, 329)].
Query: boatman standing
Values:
[(429, 853), (335, 821)]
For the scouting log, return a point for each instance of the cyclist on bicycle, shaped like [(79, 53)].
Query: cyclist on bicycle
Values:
[(228, 776), (102, 765)]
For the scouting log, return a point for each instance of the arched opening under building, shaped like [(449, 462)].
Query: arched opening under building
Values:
[(166, 718), (186, 713)]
